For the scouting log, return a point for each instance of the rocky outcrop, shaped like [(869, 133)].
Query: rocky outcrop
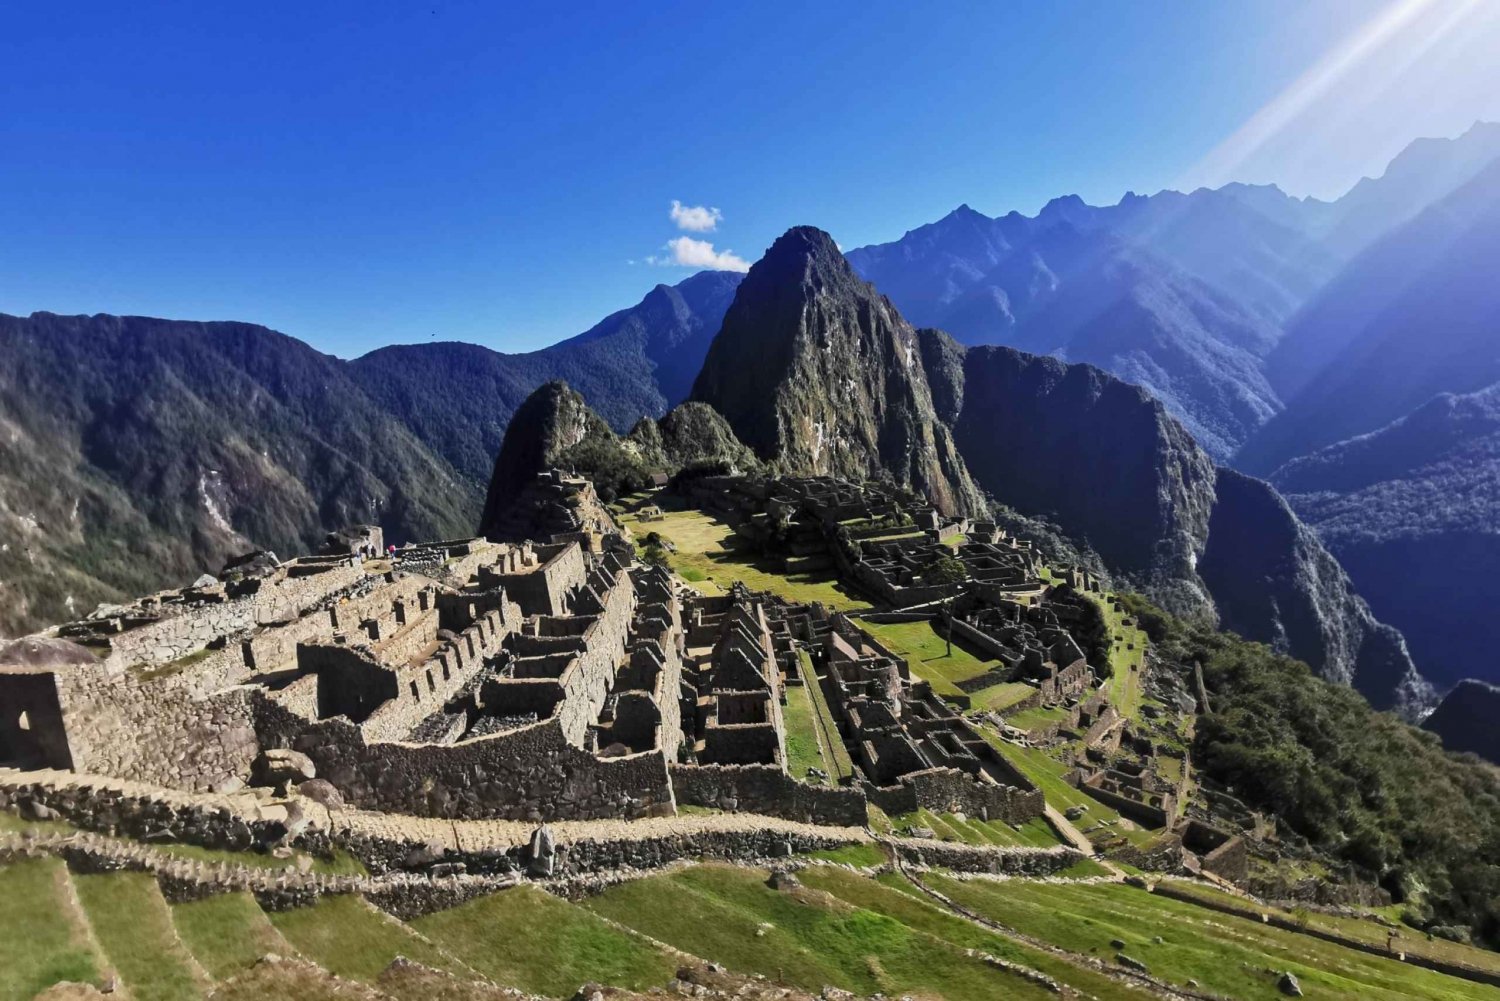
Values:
[(1104, 461), (1096, 455), (1273, 581), (1465, 719), (820, 375)]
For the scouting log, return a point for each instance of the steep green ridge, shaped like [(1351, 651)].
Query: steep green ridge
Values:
[(1360, 785), (138, 452), (819, 374), (458, 398), (1105, 462)]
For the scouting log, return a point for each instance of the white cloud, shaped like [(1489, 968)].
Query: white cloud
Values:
[(695, 218), (687, 252)]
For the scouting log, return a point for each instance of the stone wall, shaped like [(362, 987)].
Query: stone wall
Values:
[(980, 858), (766, 789), (948, 790), (276, 599), (161, 731), (523, 774), (151, 815)]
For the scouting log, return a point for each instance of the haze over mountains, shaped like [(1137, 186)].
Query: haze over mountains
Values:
[(140, 451)]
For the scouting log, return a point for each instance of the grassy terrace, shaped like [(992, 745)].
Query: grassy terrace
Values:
[(891, 895), (927, 654), (1127, 658), (1179, 942), (528, 939), (43, 942), (711, 557), (227, 933), (812, 734), (973, 831), (134, 928), (1408, 940), (350, 937), (833, 747), (802, 937)]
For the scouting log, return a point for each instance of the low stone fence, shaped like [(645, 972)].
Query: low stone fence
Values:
[(886, 618), (147, 815), (948, 790), (766, 789), (1019, 861)]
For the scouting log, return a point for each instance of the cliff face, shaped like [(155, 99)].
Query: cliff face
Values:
[(1103, 459), (820, 375), (1097, 455), (1466, 719), (136, 453), (1273, 581)]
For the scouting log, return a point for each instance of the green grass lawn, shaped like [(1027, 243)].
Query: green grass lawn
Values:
[(1036, 717), (927, 654), (893, 896), (804, 938), (134, 928), (347, 935), (1227, 955), (973, 831), (710, 555), (227, 933), (803, 748), (41, 944), (1047, 774), (1123, 687), (836, 755), (865, 855), (1409, 940), (531, 940)]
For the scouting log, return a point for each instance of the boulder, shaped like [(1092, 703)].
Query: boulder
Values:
[(277, 766), (322, 791), (782, 879), (1288, 985), (543, 858)]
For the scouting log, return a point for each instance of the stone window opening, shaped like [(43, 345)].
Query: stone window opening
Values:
[(431, 685), (416, 692)]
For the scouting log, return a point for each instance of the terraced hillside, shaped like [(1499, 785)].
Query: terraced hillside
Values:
[(866, 928)]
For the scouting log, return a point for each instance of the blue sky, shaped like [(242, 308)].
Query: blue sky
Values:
[(357, 174)]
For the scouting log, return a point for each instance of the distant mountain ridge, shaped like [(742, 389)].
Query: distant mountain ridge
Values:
[(138, 452), (1185, 294), (792, 371)]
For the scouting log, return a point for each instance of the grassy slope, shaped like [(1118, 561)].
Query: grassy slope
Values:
[(1408, 940), (134, 928), (806, 939), (350, 937), (803, 749), (526, 938), (839, 764), (1229, 955), (973, 831), (894, 897), (227, 933), (1047, 773), (51, 948), (708, 554)]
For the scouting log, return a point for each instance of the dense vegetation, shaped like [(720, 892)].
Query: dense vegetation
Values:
[(1362, 786)]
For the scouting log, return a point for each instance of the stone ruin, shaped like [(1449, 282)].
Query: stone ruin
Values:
[(476, 679)]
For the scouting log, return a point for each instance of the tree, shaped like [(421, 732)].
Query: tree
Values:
[(947, 571)]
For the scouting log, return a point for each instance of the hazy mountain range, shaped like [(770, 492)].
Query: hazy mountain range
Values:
[(136, 452)]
